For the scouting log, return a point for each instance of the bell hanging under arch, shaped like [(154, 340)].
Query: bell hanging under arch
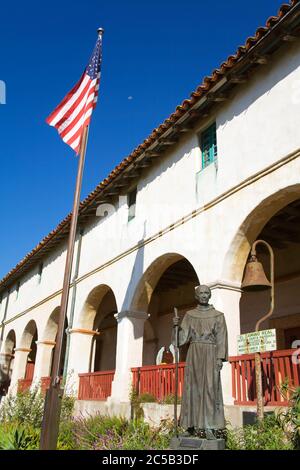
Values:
[(255, 278)]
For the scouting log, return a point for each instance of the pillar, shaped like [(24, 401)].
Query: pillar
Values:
[(79, 356), (19, 369), (130, 339), (43, 359)]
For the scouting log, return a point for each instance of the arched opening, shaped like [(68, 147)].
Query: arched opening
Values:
[(28, 341), (276, 221), (10, 342), (250, 229), (282, 232), (98, 315), (105, 343), (169, 282), (7, 362)]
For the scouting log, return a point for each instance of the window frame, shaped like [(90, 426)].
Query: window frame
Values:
[(131, 205), (40, 272), (17, 290), (208, 145)]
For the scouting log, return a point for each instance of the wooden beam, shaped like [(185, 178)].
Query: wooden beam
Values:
[(133, 174), (143, 163), (237, 78), (288, 37), (217, 97), (183, 128), (121, 184), (152, 154), (259, 59), (195, 113), (167, 142)]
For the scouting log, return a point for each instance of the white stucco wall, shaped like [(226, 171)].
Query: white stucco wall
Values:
[(258, 127)]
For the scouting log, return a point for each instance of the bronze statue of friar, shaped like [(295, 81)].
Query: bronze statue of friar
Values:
[(204, 329)]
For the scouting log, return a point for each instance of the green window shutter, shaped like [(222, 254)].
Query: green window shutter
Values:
[(209, 145)]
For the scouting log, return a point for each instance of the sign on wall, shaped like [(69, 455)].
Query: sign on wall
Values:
[(257, 341)]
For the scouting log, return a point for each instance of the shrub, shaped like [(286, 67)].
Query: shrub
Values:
[(67, 407), (140, 436), (113, 433), (16, 437), (21, 419), (267, 435), (170, 400), (66, 437), (147, 398), (23, 408), (290, 418), (96, 431)]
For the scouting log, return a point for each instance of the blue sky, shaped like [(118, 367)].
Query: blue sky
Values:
[(154, 54)]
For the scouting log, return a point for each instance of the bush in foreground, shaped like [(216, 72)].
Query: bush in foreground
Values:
[(21, 417)]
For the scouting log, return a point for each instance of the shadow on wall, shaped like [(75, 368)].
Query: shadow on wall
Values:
[(136, 273)]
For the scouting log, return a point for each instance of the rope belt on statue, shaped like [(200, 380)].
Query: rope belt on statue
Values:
[(203, 341)]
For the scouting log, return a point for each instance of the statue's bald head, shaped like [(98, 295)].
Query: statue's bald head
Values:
[(202, 294)]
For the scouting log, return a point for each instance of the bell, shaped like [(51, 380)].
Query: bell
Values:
[(255, 278)]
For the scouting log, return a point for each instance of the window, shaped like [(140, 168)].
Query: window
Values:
[(40, 272), (208, 143), (17, 290), (131, 200)]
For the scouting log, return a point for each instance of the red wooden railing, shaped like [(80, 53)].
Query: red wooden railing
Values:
[(25, 384), (159, 380), (45, 383), (277, 368), (95, 385)]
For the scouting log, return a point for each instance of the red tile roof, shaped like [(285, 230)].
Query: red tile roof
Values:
[(207, 84)]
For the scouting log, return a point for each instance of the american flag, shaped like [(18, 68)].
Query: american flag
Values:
[(73, 114)]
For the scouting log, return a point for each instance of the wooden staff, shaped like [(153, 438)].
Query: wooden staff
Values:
[(176, 371)]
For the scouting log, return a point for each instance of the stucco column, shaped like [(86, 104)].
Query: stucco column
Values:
[(79, 356), (130, 340), (226, 298), (43, 359), (20, 362)]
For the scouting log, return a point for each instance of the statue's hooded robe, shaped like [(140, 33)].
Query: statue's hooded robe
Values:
[(202, 402)]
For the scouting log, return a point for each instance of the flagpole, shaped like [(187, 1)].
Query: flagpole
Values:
[(50, 425)]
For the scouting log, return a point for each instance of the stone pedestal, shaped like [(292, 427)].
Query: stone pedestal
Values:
[(196, 443)]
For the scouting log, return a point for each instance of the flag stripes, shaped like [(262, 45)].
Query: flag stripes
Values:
[(75, 110)]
